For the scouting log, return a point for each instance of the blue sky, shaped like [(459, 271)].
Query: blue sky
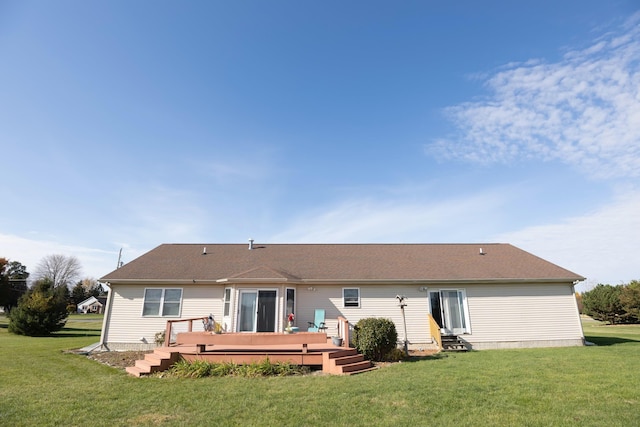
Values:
[(131, 124)]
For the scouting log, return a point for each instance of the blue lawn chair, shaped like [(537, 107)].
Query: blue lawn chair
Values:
[(318, 324)]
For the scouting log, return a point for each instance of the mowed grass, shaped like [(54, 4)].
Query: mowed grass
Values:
[(42, 385)]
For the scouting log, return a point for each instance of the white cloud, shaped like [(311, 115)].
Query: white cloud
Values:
[(583, 110), (603, 245), (29, 251), (398, 221)]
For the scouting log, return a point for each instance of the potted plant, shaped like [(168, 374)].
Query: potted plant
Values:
[(290, 318)]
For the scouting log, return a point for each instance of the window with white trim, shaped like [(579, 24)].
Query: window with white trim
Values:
[(162, 302), (351, 297), (227, 302)]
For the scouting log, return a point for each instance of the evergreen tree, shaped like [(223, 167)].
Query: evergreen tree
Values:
[(603, 303), (41, 311)]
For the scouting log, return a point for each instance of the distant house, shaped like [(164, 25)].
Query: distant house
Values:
[(92, 305), (490, 295)]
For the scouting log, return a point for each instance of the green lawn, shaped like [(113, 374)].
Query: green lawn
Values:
[(42, 385)]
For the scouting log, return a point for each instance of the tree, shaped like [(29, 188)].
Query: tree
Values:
[(78, 294), (41, 311), (61, 270), (630, 300), (579, 302), (603, 303), (13, 283)]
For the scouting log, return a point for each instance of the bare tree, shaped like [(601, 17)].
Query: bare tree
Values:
[(61, 270)]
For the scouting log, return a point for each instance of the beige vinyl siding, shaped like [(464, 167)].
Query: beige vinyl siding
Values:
[(522, 313), (128, 326), (375, 301)]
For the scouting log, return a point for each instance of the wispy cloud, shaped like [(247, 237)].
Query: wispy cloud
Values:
[(601, 245), (392, 221), (29, 251), (583, 110), (158, 213)]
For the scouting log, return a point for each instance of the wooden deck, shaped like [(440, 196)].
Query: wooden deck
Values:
[(305, 349)]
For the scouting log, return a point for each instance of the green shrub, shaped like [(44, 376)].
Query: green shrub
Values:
[(264, 368), (375, 337), (41, 311)]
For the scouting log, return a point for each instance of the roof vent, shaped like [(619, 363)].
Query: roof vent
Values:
[(250, 244), (482, 252), (204, 250)]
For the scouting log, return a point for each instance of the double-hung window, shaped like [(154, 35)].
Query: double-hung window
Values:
[(351, 297), (162, 302)]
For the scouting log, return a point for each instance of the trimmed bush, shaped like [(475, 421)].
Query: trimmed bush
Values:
[(375, 338)]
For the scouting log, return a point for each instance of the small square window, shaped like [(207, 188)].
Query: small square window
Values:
[(351, 297)]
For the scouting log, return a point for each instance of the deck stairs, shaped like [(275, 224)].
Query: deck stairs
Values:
[(453, 343), (341, 362), (160, 360), (345, 362)]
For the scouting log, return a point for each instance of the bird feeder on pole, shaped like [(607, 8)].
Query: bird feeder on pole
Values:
[(402, 305)]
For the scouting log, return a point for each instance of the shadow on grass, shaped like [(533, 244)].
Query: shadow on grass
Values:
[(80, 333), (607, 341), (435, 356)]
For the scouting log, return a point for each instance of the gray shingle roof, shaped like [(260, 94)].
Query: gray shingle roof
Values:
[(339, 262)]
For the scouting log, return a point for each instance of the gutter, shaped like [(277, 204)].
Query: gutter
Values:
[(342, 281)]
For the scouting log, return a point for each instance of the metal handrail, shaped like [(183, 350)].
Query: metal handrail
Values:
[(343, 331)]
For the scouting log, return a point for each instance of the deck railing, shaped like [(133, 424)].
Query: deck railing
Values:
[(167, 332), (343, 331), (435, 331)]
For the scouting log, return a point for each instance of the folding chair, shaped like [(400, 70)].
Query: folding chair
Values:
[(318, 324)]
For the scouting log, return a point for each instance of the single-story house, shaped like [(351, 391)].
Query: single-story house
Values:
[(490, 295), (92, 305)]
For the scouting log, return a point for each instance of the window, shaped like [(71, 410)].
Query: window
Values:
[(227, 302), (162, 302), (291, 302), (351, 297)]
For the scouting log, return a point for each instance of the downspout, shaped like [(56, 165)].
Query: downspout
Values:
[(107, 315)]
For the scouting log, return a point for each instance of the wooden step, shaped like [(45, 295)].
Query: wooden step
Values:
[(453, 343), (135, 371), (348, 359), (160, 360), (361, 371), (342, 353), (354, 367)]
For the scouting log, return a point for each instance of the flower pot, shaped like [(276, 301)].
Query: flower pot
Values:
[(337, 341)]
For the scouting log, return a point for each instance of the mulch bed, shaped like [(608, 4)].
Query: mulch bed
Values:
[(118, 359), (123, 359)]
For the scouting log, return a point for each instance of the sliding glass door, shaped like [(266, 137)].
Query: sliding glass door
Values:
[(257, 312)]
